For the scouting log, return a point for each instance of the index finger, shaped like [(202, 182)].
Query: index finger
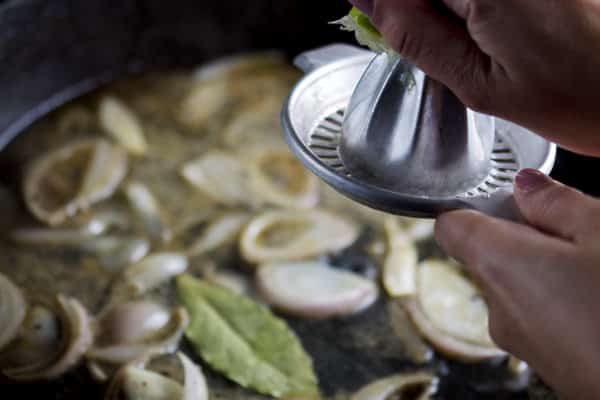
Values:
[(503, 256)]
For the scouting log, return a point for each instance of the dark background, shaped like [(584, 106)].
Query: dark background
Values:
[(578, 171)]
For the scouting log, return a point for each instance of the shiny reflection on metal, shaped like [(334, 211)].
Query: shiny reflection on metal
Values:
[(406, 132), (326, 139), (313, 118)]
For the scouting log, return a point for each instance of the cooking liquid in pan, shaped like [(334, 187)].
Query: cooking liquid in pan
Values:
[(235, 118)]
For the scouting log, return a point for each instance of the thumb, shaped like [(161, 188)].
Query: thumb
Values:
[(436, 41), (556, 208)]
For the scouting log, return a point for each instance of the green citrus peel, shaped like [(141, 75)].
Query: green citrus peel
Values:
[(366, 34)]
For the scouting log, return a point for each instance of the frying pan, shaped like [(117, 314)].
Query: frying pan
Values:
[(52, 51)]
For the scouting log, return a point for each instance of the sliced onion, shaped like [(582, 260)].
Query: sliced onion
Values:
[(166, 342), (400, 270), (111, 217), (397, 387), (137, 381), (147, 209), (314, 290), (415, 347), (122, 124), (453, 303), (115, 252), (37, 340), (377, 249), (55, 237), (233, 281), (220, 176), (39, 336), (270, 85), (449, 345), (195, 387), (257, 123), (77, 322), (217, 85), (13, 309), (450, 313), (238, 65), (516, 366), (192, 221), (132, 322), (76, 338), (269, 175), (294, 235), (84, 234), (54, 193), (223, 230), (97, 371), (400, 266), (204, 101), (140, 384), (106, 170), (418, 229), (278, 178), (154, 271), (520, 375)]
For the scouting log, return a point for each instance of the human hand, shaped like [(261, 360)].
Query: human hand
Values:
[(533, 62), (542, 282)]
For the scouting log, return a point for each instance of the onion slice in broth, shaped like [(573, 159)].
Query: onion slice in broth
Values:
[(76, 338), (451, 314), (54, 188), (163, 341), (13, 309), (137, 381), (418, 386), (314, 290), (122, 124), (278, 178), (295, 235)]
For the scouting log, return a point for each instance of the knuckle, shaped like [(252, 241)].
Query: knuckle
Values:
[(473, 79), (403, 41), (397, 28)]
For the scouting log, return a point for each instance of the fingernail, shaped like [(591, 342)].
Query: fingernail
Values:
[(530, 180), (366, 6)]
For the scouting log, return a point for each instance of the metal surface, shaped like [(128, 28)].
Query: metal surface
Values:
[(406, 132), (313, 118)]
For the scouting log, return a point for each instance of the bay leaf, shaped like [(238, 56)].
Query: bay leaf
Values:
[(246, 342)]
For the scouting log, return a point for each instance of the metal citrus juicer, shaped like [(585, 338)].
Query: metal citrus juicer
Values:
[(381, 132)]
